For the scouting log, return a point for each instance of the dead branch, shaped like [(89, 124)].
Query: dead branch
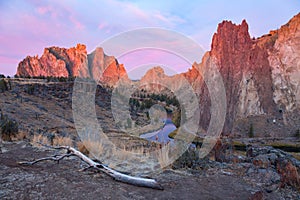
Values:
[(56, 158), (118, 176)]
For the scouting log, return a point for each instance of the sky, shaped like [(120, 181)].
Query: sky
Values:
[(27, 27)]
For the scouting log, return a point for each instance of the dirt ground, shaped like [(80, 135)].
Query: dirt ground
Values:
[(49, 180)]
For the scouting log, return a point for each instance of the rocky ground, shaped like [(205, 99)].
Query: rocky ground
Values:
[(49, 180), (45, 108)]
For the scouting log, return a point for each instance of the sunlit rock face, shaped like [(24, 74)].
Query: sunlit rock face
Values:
[(285, 61), (73, 62), (106, 69), (57, 62)]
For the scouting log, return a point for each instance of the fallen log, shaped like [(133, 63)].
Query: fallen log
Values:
[(118, 176)]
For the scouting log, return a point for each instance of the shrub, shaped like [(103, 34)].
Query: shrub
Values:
[(251, 131), (3, 85), (8, 128), (297, 134), (129, 123), (30, 89), (179, 117)]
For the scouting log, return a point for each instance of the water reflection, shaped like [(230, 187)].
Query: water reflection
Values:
[(161, 135)]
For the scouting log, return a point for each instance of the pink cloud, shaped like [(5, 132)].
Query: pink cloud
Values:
[(43, 9), (102, 26), (77, 23), (153, 57)]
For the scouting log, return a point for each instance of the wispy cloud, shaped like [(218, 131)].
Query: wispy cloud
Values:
[(26, 27)]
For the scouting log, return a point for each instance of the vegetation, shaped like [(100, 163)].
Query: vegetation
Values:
[(129, 123), (285, 146), (297, 134), (30, 89), (178, 117), (8, 128), (173, 134), (251, 131), (3, 85), (62, 141), (191, 159), (49, 78), (143, 100)]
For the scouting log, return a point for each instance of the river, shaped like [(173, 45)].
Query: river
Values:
[(161, 135)]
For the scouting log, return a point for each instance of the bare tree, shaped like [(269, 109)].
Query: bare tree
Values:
[(92, 164)]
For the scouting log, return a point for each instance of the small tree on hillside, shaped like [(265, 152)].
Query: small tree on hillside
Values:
[(8, 128), (3, 85), (251, 131)]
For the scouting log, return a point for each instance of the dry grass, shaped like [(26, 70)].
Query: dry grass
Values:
[(86, 146), (163, 155), (122, 154), (20, 136), (133, 155), (62, 141), (37, 140), (81, 147), (296, 155)]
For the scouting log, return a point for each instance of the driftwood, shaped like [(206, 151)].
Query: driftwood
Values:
[(118, 176)]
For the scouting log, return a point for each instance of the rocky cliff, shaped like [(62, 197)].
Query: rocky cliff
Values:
[(73, 62), (261, 78)]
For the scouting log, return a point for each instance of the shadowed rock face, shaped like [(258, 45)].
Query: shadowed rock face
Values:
[(245, 70), (261, 76), (73, 62)]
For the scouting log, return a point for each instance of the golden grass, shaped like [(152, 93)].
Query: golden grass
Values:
[(86, 146), (163, 155), (82, 148), (282, 145), (296, 155), (62, 141), (37, 140), (173, 134), (20, 136)]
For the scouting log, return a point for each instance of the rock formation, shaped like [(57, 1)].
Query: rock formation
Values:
[(261, 76), (105, 68), (73, 62)]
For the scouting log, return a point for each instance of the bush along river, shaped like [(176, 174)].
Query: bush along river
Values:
[(161, 135)]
